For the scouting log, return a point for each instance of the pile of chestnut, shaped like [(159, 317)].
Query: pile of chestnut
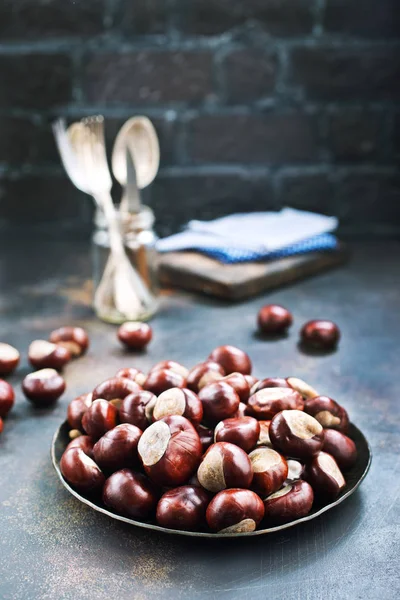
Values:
[(207, 449)]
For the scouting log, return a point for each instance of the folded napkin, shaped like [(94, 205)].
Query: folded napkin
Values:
[(256, 236)]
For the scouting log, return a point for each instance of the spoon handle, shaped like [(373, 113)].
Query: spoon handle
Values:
[(132, 201)]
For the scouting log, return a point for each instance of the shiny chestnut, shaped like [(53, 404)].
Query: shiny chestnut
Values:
[(295, 471), (131, 373), (267, 402), (130, 494), (239, 384), (243, 432), (322, 335), (273, 319), (183, 508), (1, 425), (117, 448), (135, 335), (293, 501), (163, 379), (206, 436), (325, 476), (7, 398), (75, 339), (296, 434), (115, 390), (178, 401), (43, 354), (225, 465), (84, 442), (100, 417), (43, 387), (232, 359), (170, 450), (235, 511), (81, 471), (270, 471), (263, 438), (328, 412), (304, 388), (220, 401), (76, 409), (269, 382), (209, 376), (171, 365), (241, 411), (196, 374), (9, 359), (137, 409), (341, 447)]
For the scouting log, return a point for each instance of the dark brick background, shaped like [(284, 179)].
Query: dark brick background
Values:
[(258, 104)]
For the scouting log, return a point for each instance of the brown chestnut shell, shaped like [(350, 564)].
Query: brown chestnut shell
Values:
[(235, 511), (81, 471), (292, 502), (183, 508), (296, 434), (117, 448), (267, 402), (232, 359), (130, 494)]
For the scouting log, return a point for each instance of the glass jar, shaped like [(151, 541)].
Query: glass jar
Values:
[(140, 246)]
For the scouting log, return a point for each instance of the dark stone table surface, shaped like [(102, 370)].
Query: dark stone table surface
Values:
[(53, 547)]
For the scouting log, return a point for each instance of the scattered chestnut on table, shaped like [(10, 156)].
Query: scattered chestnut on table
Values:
[(100, 417), (270, 471), (183, 508), (170, 450), (43, 387), (117, 448), (7, 398), (178, 401), (43, 354), (296, 434), (235, 511), (341, 447), (135, 335), (304, 389), (84, 442), (273, 319), (171, 365), (132, 373), (135, 409), (163, 379), (196, 374), (232, 359), (76, 409), (81, 471), (115, 390), (243, 432), (293, 501), (323, 335), (225, 465), (267, 402), (220, 401), (75, 339), (9, 359), (324, 475), (327, 412), (130, 494)]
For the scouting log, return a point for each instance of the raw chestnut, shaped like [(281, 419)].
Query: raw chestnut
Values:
[(117, 448), (163, 379), (43, 354), (239, 384), (183, 508), (171, 365), (7, 398), (197, 372), (206, 436), (170, 450), (43, 387), (322, 335), (241, 411), (76, 409), (135, 335), (304, 389), (177, 401), (225, 465), (324, 475), (264, 439), (210, 376), (9, 359), (328, 412), (270, 471), (115, 390), (135, 409), (296, 434), (232, 359), (243, 432), (133, 374), (84, 442), (130, 494), (294, 501), (267, 402), (269, 382), (220, 401), (75, 339), (100, 417), (81, 471), (235, 511), (341, 447), (273, 318), (295, 471)]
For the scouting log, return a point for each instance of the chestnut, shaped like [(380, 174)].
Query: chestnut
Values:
[(197, 372), (269, 382), (220, 401), (178, 401), (206, 436), (243, 432), (235, 511), (251, 380), (232, 359), (117, 448), (115, 390), (171, 365), (341, 447), (163, 379), (43, 354), (263, 439), (75, 339), (270, 471), (1, 425), (9, 359), (100, 417), (225, 465), (324, 475), (295, 471), (76, 409), (131, 373), (296, 434), (43, 387), (7, 398), (241, 411), (267, 402), (274, 318), (209, 376), (293, 501), (320, 334), (84, 442), (81, 471), (328, 412), (239, 384), (130, 494), (304, 389), (133, 409), (170, 450), (134, 335), (183, 508)]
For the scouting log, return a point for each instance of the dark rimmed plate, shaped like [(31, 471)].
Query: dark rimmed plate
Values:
[(354, 478)]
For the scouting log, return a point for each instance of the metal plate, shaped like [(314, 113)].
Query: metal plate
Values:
[(354, 477)]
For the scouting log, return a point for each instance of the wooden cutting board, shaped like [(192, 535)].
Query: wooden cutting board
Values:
[(198, 273)]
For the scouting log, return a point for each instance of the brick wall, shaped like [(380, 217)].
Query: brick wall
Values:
[(258, 104)]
